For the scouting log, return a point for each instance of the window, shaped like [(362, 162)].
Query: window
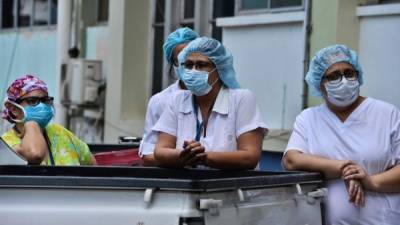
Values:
[(389, 1), (27, 13), (221, 8), (187, 19), (41, 16), (102, 11), (262, 6), (254, 4), (7, 13), (285, 3), (24, 13), (53, 12), (158, 25), (375, 2)]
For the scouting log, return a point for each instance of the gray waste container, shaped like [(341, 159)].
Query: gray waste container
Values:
[(146, 196)]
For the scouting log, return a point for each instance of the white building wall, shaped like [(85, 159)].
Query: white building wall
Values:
[(379, 50), (268, 53)]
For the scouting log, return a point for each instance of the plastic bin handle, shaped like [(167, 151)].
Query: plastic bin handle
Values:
[(148, 195), (212, 205), (319, 193)]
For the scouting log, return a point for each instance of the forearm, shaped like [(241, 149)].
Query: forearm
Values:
[(295, 160), (33, 145), (388, 181), (167, 157), (232, 160), (93, 160), (149, 160)]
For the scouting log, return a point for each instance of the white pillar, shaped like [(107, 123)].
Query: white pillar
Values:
[(203, 12), (63, 43), (128, 74)]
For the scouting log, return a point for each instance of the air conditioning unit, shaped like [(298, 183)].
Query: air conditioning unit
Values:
[(84, 79)]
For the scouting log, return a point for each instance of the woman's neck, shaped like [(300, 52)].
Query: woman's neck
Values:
[(206, 101)]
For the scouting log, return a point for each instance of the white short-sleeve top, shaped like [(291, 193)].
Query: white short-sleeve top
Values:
[(370, 136), (155, 108), (235, 112)]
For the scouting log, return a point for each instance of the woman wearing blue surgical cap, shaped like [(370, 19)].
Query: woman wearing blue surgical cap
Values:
[(213, 124), (174, 44), (353, 140)]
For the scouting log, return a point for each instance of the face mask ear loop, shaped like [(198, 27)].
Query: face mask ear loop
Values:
[(215, 80), (23, 111), (212, 70)]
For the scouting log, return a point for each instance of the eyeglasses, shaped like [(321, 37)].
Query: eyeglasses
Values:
[(33, 101), (199, 65), (336, 76)]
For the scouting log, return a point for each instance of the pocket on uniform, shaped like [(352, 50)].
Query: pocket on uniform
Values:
[(230, 138), (392, 217)]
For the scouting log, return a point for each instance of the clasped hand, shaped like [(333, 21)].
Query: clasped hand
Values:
[(193, 154), (355, 177)]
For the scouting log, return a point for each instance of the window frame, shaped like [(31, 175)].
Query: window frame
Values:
[(239, 11), (182, 19), (1, 14), (98, 21), (31, 22)]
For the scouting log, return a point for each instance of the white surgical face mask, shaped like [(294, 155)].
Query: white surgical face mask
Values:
[(197, 81), (23, 111), (343, 93)]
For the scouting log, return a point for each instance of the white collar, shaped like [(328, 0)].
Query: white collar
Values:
[(221, 104)]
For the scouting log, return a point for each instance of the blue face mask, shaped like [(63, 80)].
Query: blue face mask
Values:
[(41, 114), (343, 93), (197, 81)]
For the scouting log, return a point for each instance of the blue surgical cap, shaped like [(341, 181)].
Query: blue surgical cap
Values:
[(179, 36), (217, 53), (325, 58)]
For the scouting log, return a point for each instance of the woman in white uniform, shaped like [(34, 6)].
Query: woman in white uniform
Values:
[(214, 124), (353, 140), (173, 45)]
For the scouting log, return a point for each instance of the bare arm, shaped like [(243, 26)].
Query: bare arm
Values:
[(149, 160), (165, 152), (147, 146), (33, 146), (388, 181), (296, 160), (93, 159), (246, 157)]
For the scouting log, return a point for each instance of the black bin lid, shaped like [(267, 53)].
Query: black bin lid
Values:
[(148, 177)]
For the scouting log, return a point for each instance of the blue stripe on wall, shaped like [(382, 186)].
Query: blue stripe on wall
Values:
[(271, 161)]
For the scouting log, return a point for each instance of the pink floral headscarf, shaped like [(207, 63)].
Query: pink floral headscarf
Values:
[(21, 87)]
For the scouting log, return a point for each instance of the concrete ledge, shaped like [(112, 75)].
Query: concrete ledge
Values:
[(261, 19), (378, 10), (276, 141)]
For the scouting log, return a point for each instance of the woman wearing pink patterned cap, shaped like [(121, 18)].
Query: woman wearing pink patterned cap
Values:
[(30, 108)]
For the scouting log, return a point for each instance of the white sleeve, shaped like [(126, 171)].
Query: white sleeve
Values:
[(168, 122), (149, 140), (299, 138), (248, 115), (395, 136)]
